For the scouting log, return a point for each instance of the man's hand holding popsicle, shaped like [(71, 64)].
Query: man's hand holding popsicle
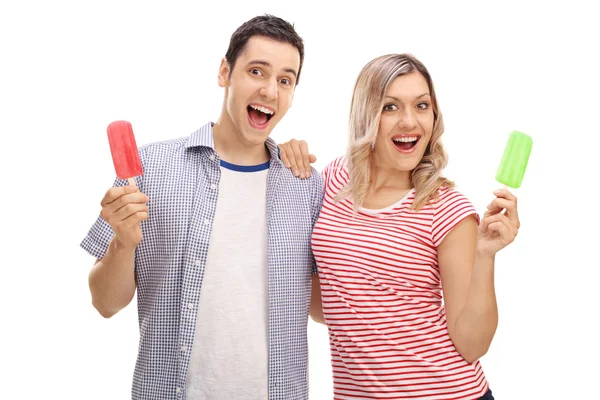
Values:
[(125, 207)]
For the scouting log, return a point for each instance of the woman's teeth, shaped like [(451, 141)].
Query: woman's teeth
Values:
[(407, 139)]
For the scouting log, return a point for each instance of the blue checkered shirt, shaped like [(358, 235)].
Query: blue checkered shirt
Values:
[(181, 178)]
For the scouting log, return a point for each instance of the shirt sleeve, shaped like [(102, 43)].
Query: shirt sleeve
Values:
[(451, 208), (330, 170), (316, 203), (323, 180), (98, 238)]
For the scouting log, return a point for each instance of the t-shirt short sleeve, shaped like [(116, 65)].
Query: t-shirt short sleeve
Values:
[(98, 238), (451, 208)]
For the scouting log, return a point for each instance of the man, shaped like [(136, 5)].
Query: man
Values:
[(216, 241)]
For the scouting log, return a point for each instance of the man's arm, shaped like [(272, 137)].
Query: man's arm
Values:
[(112, 278)]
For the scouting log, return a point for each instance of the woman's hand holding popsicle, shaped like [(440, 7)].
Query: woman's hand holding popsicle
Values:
[(497, 228), (500, 223)]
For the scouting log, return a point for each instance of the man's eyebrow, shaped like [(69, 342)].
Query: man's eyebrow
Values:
[(266, 64)]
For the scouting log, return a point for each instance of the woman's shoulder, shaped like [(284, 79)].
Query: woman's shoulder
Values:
[(336, 168)]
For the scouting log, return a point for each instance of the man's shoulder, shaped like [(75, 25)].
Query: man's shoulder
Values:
[(299, 194), (201, 137), (316, 177), (163, 147), (315, 180)]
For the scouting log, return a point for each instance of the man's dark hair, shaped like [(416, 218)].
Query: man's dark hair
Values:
[(268, 26)]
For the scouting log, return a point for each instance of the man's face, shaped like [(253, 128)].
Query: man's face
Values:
[(260, 89)]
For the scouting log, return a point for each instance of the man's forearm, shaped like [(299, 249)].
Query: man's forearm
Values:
[(112, 280)]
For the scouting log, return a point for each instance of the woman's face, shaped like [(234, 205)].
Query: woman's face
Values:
[(406, 123)]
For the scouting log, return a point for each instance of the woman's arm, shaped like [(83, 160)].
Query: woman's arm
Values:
[(466, 260), (316, 306)]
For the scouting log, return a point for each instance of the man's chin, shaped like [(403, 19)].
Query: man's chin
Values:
[(252, 137)]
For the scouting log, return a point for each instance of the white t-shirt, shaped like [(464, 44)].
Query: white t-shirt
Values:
[(229, 357)]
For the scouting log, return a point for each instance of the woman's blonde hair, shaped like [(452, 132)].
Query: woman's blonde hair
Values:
[(365, 112)]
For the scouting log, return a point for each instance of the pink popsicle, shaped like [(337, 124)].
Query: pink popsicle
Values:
[(124, 150)]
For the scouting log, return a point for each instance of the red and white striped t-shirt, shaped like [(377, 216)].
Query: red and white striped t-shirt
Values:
[(382, 299)]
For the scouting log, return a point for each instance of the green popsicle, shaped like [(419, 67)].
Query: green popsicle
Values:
[(514, 160)]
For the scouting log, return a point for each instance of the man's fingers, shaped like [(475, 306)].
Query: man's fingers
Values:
[(134, 219), (132, 198), (128, 210), (114, 193)]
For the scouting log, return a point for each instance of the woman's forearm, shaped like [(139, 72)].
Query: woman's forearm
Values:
[(476, 324)]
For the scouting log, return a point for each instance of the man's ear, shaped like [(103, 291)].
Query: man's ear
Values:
[(224, 71)]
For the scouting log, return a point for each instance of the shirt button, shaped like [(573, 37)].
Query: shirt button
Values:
[(198, 263), (191, 306), (184, 348), (206, 222), (178, 390), (212, 157), (213, 186)]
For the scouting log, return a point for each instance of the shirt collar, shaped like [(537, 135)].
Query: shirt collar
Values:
[(203, 137)]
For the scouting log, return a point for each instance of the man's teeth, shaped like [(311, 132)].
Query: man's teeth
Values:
[(407, 139), (262, 109)]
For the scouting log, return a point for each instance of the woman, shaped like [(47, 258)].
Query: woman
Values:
[(406, 267)]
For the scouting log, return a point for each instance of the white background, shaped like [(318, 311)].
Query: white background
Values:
[(69, 69)]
